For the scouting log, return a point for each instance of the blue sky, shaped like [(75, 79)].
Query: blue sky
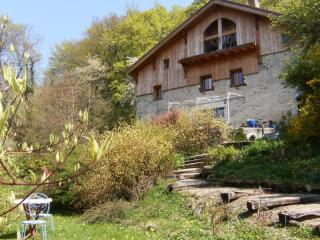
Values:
[(57, 20)]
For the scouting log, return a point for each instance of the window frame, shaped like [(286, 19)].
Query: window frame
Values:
[(157, 93), (166, 64), (232, 83), (217, 112), (203, 78)]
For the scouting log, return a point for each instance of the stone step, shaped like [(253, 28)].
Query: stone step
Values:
[(187, 170), (188, 176), (193, 165), (196, 160), (190, 183), (202, 156)]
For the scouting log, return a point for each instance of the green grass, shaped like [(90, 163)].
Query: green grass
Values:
[(267, 160), (172, 219)]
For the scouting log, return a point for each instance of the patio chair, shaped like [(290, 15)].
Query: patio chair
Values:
[(27, 223), (45, 213)]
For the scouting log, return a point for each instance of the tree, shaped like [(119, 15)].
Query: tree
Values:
[(274, 5), (112, 41), (21, 38), (60, 148), (301, 23)]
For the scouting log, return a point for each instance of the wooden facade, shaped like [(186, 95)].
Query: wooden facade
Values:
[(188, 61)]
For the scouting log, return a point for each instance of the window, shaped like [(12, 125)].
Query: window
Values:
[(215, 40), (237, 78), (211, 40), (229, 37), (218, 112), (157, 92), (285, 39), (206, 83), (166, 64)]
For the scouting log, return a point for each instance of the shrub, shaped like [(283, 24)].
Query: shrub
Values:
[(196, 131), (5, 204), (168, 119), (266, 148), (112, 211), (237, 134), (179, 160), (222, 153), (135, 159)]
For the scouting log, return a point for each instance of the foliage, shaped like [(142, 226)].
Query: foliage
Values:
[(221, 153), (196, 131), (115, 41), (179, 160), (137, 156), (300, 22), (112, 211), (170, 218), (21, 39), (274, 5), (166, 211), (269, 160), (54, 104), (168, 119), (237, 134), (6, 198)]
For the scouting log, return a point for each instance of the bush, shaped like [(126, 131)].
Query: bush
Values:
[(194, 132), (268, 160), (168, 119), (237, 134), (222, 153), (137, 157), (113, 211), (5, 204)]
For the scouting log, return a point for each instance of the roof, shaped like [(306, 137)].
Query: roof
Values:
[(225, 3)]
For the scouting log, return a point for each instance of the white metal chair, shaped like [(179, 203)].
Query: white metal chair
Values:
[(35, 210), (27, 223), (46, 211)]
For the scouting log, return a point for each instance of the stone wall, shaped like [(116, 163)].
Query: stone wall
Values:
[(266, 98)]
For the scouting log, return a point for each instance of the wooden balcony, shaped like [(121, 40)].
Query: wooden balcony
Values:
[(248, 47)]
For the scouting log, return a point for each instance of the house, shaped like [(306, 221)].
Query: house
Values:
[(226, 57)]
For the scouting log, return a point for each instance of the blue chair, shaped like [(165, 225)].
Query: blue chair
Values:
[(36, 209), (27, 223), (46, 211)]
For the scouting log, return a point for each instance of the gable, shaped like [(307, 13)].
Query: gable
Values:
[(181, 31)]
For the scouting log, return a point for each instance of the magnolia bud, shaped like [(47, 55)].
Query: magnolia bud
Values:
[(12, 48)]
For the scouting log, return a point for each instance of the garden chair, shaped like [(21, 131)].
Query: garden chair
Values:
[(46, 211), (28, 223), (34, 209)]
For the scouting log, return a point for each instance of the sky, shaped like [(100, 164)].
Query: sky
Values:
[(54, 21)]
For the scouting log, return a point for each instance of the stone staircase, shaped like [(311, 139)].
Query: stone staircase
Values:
[(191, 174)]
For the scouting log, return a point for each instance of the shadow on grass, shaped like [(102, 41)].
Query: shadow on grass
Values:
[(245, 215), (7, 236)]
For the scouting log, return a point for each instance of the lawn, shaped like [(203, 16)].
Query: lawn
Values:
[(170, 218)]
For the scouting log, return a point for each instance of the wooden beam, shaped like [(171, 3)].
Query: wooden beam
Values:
[(266, 202), (286, 217), (220, 32), (228, 197)]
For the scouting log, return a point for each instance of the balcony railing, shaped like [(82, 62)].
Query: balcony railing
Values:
[(229, 41)]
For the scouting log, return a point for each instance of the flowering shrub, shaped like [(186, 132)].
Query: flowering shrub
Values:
[(136, 157), (194, 132), (168, 119)]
